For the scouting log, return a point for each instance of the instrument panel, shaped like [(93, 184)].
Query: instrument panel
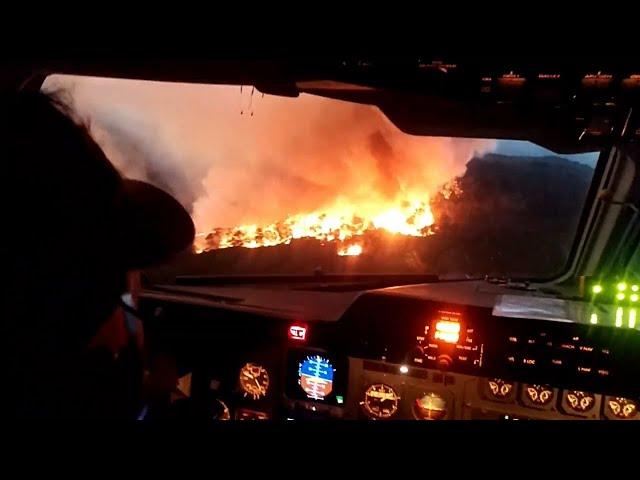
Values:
[(422, 394), (395, 357), (473, 340)]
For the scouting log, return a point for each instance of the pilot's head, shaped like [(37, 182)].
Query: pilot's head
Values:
[(72, 230)]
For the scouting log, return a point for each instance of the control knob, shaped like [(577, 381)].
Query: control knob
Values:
[(444, 362)]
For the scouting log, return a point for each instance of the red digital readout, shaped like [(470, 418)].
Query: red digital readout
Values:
[(298, 332)]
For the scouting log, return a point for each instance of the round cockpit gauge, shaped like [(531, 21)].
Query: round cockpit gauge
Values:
[(499, 388), (579, 401), (623, 408), (539, 394), (254, 380), (380, 401), (430, 406)]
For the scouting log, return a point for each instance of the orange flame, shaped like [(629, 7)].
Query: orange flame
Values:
[(350, 250), (339, 224)]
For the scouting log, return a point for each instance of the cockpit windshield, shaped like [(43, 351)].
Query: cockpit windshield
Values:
[(279, 185)]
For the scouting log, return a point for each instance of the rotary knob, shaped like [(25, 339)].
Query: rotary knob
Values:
[(444, 362)]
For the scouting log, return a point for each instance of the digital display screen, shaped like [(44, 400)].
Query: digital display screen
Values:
[(315, 376), (446, 327), (447, 331)]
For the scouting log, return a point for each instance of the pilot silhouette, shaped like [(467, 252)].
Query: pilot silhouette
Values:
[(75, 232)]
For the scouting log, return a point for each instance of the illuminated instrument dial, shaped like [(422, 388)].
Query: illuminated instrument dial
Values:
[(380, 401), (499, 388), (430, 406), (580, 401), (315, 376), (539, 394), (254, 380), (622, 407)]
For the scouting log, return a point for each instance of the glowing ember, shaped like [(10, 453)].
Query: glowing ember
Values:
[(350, 251), (338, 224)]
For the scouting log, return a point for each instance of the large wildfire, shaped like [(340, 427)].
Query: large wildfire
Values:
[(260, 171), (342, 226)]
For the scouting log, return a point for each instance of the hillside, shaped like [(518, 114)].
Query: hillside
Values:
[(516, 216)]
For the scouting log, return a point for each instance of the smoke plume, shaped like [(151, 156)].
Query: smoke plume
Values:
[(233, 156)]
